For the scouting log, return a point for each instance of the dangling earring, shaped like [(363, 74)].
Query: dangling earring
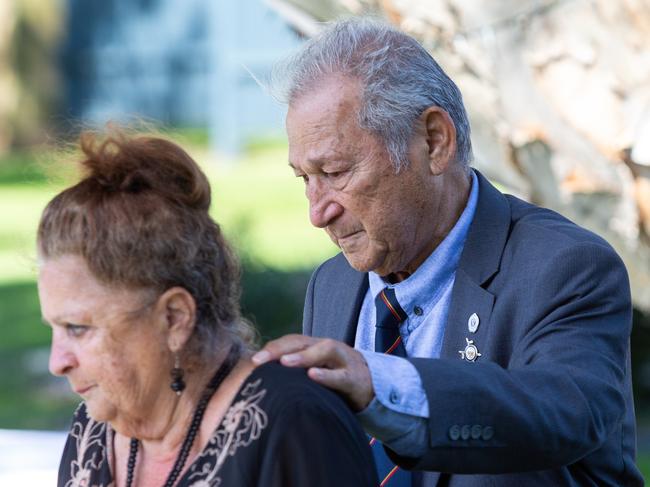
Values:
[(178, 384)]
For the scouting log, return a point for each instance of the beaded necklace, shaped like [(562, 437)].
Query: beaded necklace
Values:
[(225, 368)]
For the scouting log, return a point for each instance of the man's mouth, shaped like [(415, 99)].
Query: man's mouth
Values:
[(348, 240), (346, 236)]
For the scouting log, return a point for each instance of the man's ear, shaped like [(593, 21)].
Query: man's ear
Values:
[(177, 310), (440, 133)]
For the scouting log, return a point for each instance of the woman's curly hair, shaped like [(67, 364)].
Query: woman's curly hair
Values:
[(139, 218)]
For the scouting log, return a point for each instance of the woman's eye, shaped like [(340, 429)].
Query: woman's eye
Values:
[(75, 330)]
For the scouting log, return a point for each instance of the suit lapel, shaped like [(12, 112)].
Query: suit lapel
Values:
[(468, 299), (479, 262), (346, 298)]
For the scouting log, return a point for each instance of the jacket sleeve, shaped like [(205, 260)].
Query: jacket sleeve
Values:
[(560, 394)]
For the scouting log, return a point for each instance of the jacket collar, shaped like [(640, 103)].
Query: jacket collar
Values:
[(487, 234), (479, 262)]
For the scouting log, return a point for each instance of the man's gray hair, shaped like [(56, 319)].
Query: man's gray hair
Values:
[(399, 80)]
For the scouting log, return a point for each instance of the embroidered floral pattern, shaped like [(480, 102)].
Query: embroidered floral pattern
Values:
[(89, 447), (243, 424)]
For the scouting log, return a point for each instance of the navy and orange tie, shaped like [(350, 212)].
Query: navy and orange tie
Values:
[(388, 340)]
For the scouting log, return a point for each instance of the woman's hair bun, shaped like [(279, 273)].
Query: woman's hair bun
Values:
[(139, 218), (119, 162)]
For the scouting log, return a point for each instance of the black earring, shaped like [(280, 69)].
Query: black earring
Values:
[(178, 384)]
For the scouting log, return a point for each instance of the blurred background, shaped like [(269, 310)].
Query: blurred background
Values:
[(558, 94)]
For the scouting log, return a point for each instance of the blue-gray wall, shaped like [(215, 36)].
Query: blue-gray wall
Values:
[(177, 62)]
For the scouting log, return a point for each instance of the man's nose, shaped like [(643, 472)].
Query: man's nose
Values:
[(62, 359), (323, 207)]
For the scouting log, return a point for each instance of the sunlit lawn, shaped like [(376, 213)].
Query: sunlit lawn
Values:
[(259, 203), (643, 461), (20, 207)]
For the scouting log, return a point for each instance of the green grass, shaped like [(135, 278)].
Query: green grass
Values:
[(262, 208), (21, 328), (256, 199), (643, 462), (20, 208), (29, 397), (21, 168)]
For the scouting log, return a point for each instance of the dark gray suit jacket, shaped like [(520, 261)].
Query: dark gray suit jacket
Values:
[(549, 401)]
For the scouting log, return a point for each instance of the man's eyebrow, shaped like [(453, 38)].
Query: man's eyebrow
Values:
[(317, 161), (294, 168)]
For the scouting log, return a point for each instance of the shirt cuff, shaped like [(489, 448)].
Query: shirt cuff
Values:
[(397, 384), (405, 435)]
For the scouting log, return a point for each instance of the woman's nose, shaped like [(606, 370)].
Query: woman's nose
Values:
[(62, 360)]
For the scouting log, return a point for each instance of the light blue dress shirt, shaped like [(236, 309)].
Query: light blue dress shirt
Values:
[(398, 413)]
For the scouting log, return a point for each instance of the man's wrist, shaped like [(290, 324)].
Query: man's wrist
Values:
[(396, 384)]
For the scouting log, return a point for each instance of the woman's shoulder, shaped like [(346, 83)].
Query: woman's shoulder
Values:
[(308, 435), (283, 379), (284, 429), (291, 387)]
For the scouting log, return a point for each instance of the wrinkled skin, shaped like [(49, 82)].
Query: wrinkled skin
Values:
[(115, 346), (119, 365), (384, 221)]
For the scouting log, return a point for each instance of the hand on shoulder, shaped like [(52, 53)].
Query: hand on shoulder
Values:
[(331, 363)]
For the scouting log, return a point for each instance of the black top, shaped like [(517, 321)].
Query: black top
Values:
[(281, 430)]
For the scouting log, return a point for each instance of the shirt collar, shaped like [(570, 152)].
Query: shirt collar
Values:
[(439, 267)]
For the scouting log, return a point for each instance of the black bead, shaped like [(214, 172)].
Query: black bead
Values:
[(178, 384), (133, 453)]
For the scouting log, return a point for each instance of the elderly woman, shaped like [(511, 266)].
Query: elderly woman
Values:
[(142, 294)]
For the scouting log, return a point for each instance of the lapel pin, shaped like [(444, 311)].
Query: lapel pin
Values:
[(470, 353), (472, 323)]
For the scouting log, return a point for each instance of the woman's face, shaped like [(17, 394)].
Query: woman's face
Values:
[(109, 343)]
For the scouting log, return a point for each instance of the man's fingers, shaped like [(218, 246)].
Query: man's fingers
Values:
[(336, 379), (332, 364), (285, 345), (353, 382), (320, 353)]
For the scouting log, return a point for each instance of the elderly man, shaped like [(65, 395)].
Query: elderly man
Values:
[(484, 341)]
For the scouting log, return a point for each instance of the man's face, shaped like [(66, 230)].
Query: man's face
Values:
[(382, 221)]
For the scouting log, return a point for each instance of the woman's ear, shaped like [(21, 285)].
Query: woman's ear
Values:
[(177, 309), (440, 133)]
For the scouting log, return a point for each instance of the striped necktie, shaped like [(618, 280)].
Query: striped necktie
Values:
[(388, 340)]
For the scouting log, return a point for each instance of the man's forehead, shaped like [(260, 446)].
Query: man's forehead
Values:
[(335, 96), (322, 124)]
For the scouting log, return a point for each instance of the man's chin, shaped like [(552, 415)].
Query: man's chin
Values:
[(362, 263)]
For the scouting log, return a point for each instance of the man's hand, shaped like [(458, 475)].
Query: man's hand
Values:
[(330, 363)]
